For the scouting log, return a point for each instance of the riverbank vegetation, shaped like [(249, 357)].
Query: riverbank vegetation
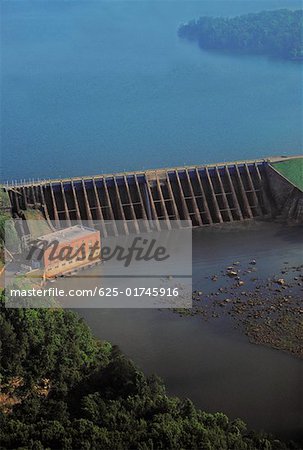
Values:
[(277, 33), (63, 389)]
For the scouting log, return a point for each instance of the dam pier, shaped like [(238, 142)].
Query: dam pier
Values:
[(206, 195)]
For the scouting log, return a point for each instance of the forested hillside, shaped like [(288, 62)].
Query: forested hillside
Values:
[(63, 389), (277, 33)]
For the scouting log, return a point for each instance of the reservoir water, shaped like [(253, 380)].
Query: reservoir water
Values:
[(92, 87)]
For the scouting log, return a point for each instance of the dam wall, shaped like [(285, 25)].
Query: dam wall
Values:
[(286, 189), (203, 195)]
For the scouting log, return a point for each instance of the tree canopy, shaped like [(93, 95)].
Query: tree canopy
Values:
[(67, 390), (277, 33)]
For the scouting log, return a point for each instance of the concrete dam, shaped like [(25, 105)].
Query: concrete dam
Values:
[(202, 195)]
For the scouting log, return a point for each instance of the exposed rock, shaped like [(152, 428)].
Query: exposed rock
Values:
[(231, 273)]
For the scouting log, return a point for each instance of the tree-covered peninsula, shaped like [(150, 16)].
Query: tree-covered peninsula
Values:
[(276, 33), (63, 389)]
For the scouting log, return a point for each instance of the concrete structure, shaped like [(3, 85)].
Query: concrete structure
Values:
[(204, 195), (286, 182), (66, 250)]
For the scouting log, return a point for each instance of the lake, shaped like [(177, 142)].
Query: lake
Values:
[(94, 87)]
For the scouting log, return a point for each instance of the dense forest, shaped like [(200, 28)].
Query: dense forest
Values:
[(277, 33), (63, 389)]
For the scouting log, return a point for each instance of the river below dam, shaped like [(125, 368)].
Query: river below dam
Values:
[(212, 362)]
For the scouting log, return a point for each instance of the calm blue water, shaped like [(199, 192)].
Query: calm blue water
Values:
[(91, 87)]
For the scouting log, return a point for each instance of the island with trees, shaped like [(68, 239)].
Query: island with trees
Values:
[(277, 33)]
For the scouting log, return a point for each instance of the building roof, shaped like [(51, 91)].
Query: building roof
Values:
[(68, 234)]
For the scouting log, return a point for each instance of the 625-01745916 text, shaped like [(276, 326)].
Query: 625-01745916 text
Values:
[(97, 291)]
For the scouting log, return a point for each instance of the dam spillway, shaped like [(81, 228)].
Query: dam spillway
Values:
[(203, 195)]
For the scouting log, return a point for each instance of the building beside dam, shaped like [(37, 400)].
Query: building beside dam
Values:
[(206, 195), (66, 250)]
